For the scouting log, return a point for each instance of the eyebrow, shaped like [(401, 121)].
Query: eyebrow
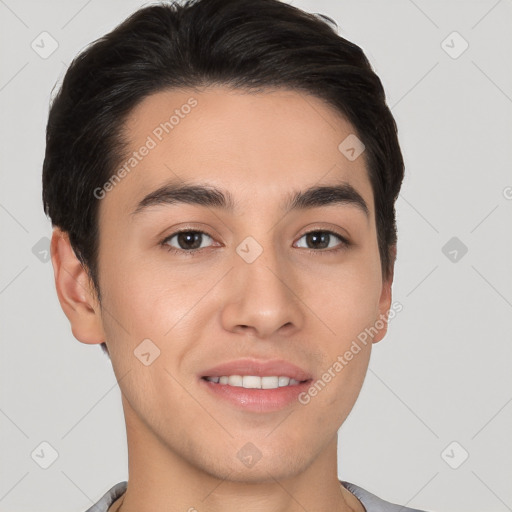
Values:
[(213, 197)]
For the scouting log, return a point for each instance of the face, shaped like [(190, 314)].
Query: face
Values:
[(270, 291)]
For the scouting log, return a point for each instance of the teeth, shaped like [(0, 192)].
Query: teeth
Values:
[(235, 380), (269, 382), (284, 381), (254, 381), (251, 381)]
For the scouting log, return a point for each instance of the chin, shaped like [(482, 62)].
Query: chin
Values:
[(249, 465)]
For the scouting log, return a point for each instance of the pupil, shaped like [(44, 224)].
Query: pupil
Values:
[(187, 237), (315, 236)]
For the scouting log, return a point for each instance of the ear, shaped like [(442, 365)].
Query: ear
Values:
[(75, 291), (381, 323)]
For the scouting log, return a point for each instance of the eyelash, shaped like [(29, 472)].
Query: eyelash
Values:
[(343, 245)]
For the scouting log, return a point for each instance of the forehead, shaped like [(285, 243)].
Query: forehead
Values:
[(271, 142)]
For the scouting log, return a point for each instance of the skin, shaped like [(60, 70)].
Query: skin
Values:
[(302, 306)]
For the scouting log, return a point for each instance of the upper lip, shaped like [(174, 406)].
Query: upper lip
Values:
[(261, 368)]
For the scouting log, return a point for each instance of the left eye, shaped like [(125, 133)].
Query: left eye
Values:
[(319, 238)]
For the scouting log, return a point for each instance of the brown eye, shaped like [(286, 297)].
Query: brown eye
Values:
[(320, 240), (185, 241)]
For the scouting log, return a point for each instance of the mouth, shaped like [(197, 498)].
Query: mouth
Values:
[(255, 381), (256, 386)]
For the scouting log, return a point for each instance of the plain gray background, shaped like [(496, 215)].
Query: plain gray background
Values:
[(441, 376)]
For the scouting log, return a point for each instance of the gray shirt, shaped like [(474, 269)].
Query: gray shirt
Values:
[(370, 502)]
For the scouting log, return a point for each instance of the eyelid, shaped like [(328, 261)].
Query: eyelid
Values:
[(332, 231), (185, 229)]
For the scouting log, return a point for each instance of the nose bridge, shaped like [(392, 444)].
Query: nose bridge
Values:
[(260, 266), (263, 271), (262, 294)]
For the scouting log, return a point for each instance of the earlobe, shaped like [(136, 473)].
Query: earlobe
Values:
[(75, 292), (381, 322)]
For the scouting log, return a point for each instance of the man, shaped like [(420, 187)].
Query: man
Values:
[(221, 176)]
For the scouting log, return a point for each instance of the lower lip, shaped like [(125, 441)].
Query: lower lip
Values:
[(257, 400)]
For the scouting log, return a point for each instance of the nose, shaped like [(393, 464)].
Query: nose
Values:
[(263, 297)]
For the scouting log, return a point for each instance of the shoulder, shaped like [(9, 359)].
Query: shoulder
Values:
[(373, 503), (108, 498)]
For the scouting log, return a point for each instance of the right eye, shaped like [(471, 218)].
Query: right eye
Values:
[(188, 241)]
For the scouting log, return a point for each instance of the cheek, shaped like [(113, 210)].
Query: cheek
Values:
[(148, 299), (145, 300), (348, 306), (350, 300)]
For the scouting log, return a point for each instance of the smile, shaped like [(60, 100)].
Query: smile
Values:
[(254, 381)]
